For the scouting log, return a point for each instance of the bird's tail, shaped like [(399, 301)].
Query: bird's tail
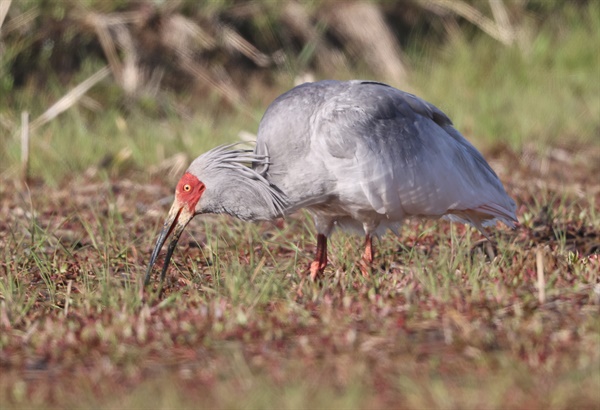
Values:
[(483, 216)]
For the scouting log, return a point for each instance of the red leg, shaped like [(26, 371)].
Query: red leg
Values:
[(368, 255), (318, 265)]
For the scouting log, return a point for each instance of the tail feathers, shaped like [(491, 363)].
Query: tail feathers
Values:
[(483, 216), (498, 212)]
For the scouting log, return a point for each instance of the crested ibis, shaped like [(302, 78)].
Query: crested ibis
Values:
[(359, 155)]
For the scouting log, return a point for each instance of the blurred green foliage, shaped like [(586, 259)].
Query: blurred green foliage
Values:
[(541, 91), (545, 92)]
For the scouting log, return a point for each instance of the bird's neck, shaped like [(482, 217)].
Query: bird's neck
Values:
[(243, 196)]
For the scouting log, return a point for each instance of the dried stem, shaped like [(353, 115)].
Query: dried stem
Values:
[(541, 281), (476, 17), (25, 146), (4, 6), (69, 99)]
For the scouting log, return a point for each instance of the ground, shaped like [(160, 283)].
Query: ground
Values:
[(446, 320)]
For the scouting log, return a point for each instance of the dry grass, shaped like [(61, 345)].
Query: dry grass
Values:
[(447, 321)]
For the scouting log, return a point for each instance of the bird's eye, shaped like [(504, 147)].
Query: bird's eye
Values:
[(187, 188)]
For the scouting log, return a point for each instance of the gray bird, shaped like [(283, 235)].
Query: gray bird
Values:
[(359, 155)]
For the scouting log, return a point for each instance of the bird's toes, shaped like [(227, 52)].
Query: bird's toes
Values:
[(365, 268), (314, 270)]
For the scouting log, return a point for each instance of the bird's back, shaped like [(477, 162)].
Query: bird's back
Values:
[(367, 152)]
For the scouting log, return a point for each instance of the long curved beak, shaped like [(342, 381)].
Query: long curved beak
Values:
[(176, 221)]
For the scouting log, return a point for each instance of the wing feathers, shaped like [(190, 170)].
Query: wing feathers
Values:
[(407, 159)]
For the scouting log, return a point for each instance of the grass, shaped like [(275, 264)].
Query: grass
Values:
[(445, 321), (543, 93), (538, 96), (440, 323)]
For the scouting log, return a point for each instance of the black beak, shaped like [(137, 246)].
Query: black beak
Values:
[(175, 223)]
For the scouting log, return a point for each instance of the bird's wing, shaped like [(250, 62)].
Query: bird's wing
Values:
[(406, 157)]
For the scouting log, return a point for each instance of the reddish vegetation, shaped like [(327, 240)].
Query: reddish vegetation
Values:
[(74, 328)]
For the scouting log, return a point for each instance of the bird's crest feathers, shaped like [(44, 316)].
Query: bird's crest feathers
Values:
[(234, 163)]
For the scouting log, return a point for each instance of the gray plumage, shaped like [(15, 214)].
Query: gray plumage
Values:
[(365, 156), (359, 155), (234, 188)]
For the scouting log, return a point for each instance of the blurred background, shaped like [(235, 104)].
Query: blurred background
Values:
[(111, 99), (139, 87)]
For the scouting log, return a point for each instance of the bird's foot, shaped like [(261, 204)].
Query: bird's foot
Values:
[(366, 262), (315, 269), (365, 268)]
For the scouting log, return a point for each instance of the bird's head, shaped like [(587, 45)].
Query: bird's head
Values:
[(227, 185), (187, 194)]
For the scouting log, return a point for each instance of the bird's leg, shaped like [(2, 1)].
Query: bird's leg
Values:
[(318, 265), (369, 253), (367, 258)]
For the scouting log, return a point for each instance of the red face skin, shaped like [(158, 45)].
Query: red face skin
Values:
[(187, 194), (188, 191)]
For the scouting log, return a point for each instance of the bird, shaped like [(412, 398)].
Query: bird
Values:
[(358, 155)]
